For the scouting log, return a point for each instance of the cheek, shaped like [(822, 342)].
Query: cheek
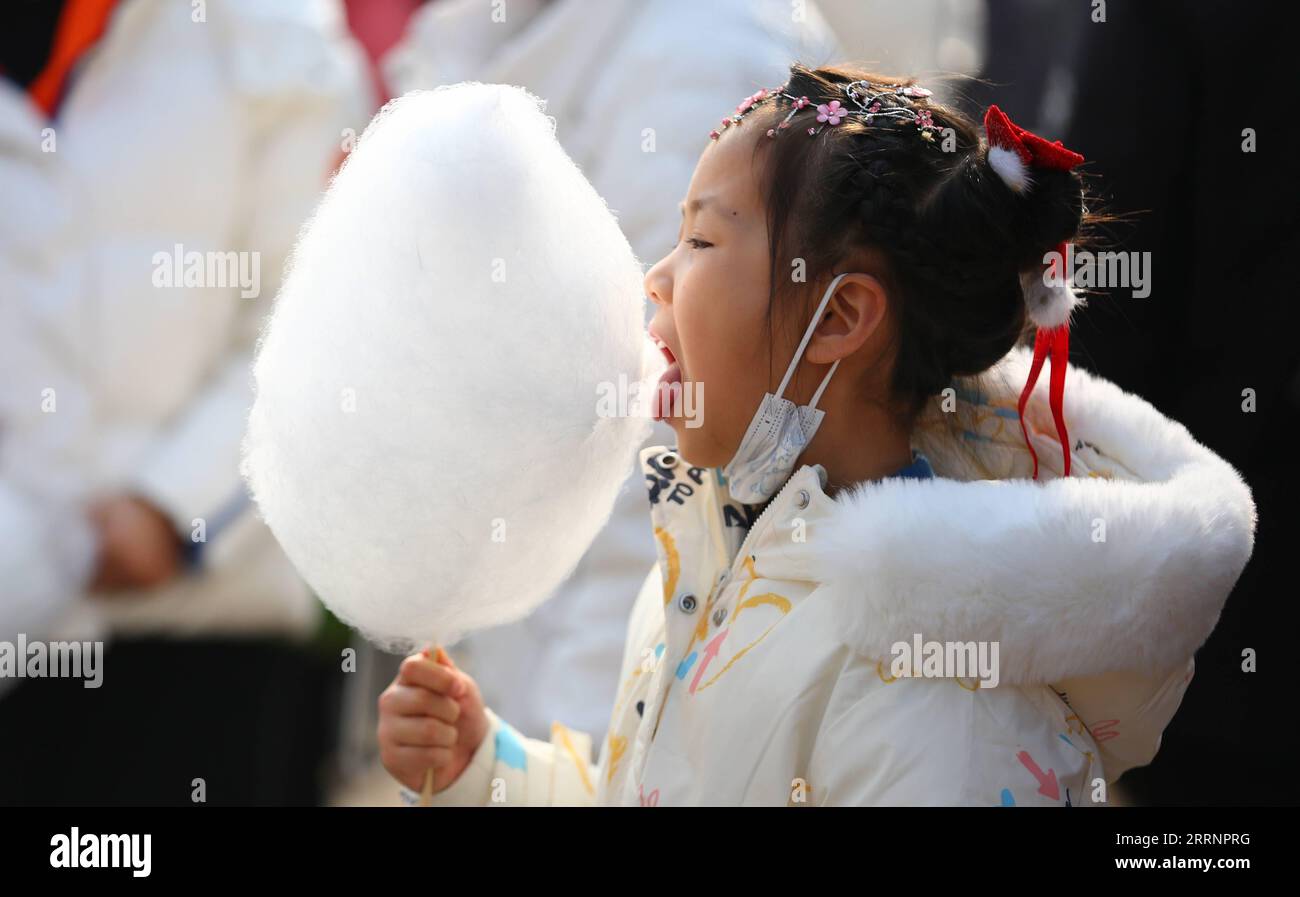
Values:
[(725, 342)]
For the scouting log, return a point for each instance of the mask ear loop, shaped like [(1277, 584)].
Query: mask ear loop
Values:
[(803, 344), (817, 396)]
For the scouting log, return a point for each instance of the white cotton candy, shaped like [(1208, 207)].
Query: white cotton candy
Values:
[(426, 441)]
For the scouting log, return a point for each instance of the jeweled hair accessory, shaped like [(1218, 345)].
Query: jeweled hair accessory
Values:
[(869, 101)]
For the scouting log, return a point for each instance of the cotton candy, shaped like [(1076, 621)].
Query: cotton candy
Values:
[(426, 441)]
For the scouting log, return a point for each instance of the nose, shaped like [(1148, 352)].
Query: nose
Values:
[(658, 285)]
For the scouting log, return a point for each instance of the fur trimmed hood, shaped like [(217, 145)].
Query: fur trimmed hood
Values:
[(1123, 566)]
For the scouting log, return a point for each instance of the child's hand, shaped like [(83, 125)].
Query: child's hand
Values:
[(431, 717)]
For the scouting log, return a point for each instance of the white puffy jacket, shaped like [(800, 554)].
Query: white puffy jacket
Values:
[(758, 662)]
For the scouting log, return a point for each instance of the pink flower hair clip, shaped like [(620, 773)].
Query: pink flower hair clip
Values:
[(831, 112)]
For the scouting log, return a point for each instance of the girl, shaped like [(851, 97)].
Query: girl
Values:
[(909, 617)]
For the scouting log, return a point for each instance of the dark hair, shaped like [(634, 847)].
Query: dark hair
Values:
[(952, 237)]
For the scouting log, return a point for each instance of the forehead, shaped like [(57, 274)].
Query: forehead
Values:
[(726, 176)]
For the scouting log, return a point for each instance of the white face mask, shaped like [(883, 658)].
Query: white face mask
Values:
[(779, 432)]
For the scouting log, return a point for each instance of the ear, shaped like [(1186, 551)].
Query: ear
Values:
[(854, 314)]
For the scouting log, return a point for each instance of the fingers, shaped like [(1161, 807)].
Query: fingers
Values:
[(417, 732), (423, 672), (410, 700), (418, 718), (416, 760)]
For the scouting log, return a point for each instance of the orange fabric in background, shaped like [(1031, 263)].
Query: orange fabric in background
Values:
[(81, 24)]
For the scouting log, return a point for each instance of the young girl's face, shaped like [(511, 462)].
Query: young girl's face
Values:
[(712, 296)]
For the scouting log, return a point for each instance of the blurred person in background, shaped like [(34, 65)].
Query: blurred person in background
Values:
[(47, 545), (1030, 63), (168, 134), (378, 26), (923, 38)]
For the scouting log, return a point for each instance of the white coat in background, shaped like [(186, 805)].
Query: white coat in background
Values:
[(46, 547), (216, 135)]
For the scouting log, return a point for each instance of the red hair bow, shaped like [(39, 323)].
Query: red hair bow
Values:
[(1033, 150)]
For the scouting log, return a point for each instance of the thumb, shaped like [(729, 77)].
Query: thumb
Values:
[(461, 684), (437, 654)]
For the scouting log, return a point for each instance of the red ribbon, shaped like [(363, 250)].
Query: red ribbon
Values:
[(1057, 342)]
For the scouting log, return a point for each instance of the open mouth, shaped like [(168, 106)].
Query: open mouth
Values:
[(663, 347), (668, 392)]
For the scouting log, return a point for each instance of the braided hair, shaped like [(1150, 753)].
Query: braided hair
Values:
[(950, 237)]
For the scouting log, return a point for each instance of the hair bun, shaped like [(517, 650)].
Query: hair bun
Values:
[(1038, 173), (1046, 212)]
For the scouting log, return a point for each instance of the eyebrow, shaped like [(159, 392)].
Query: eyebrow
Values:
[(696, 204)]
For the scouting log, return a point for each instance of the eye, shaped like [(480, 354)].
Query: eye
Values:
[(698, 244)]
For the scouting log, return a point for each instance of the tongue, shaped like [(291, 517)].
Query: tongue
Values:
[(666, 396)]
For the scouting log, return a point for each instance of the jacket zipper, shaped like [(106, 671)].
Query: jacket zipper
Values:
[(753, 530), (715, 592)]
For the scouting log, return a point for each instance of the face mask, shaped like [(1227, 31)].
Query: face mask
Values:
[(779, 432)]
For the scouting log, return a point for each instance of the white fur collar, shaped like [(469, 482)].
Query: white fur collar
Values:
[(982, 553)]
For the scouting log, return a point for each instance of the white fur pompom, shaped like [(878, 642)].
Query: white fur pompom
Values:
[(1049, 302), (426, 441), (1009, 166)]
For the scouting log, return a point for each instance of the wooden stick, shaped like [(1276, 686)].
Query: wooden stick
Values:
[(426, 793)]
